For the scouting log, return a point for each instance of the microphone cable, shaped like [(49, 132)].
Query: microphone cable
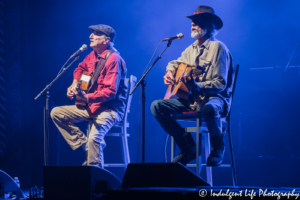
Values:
[(152, 57), (139, 121), (63, 67)]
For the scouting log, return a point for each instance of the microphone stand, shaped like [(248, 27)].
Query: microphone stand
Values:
[(45, 91), (143, 83)]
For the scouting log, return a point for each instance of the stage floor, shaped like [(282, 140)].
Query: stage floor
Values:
[(201, 192), (224, 192)]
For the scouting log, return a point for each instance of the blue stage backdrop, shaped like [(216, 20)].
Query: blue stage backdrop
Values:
[(261, 35)]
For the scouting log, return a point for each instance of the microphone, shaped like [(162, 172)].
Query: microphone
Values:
[(82, 48), (179, 36)]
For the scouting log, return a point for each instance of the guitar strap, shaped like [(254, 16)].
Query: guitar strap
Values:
[(99, 68)]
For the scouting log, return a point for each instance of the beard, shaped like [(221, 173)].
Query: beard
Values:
[(198, 34)]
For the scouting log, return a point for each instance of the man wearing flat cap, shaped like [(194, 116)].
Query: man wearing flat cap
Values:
[(210, 92), (105, 98)]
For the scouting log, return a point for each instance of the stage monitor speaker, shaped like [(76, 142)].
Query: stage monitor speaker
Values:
[(8, 187), (77, 182), (160, 175)]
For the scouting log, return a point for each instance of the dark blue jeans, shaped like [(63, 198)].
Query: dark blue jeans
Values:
[(162, 109)]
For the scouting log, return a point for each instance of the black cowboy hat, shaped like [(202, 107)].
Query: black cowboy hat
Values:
[(206, 14)]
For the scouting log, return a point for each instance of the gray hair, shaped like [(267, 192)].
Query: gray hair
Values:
[(211, 30), (111, 44)]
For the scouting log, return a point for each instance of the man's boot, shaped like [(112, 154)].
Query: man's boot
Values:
[(215, 157), (85, 163), (186, 144)]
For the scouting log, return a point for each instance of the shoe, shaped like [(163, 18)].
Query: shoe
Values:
[(184, 141), (85, 163), (185, 157), (187, 145), (215, 157)]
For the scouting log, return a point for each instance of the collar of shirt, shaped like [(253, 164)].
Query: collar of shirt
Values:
[(102, 55), (205, 43), (96, 57)]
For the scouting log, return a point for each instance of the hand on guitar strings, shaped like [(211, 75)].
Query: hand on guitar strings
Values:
[(70, 94), (74, 91), (82, 95), (168, 78), (188, 79)]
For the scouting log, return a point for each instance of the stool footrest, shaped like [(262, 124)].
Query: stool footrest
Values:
[(204, 165), (121, 125), (116, 134), (115, 165), (194, 129)]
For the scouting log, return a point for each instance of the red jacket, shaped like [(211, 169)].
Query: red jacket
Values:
[(110, 90)]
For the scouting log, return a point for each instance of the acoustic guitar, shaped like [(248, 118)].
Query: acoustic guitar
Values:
[(180, 89), (83, 84)]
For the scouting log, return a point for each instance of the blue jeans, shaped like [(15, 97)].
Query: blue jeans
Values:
[(162, 109)]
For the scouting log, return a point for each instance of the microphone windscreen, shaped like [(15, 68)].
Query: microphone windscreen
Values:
[(84, 47), (180, 35)]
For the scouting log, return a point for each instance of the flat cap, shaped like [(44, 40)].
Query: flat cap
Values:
[(105, 29)]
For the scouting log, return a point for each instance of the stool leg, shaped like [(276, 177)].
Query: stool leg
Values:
[(172, 148), (198, 161), (231, 155), (125, 145), (88, 133), (207, 152)]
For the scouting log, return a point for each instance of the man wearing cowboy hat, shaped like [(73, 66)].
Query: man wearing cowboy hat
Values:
[(105, 100), (211, 92)]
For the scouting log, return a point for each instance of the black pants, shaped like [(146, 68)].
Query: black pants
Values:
[(162, 109)]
